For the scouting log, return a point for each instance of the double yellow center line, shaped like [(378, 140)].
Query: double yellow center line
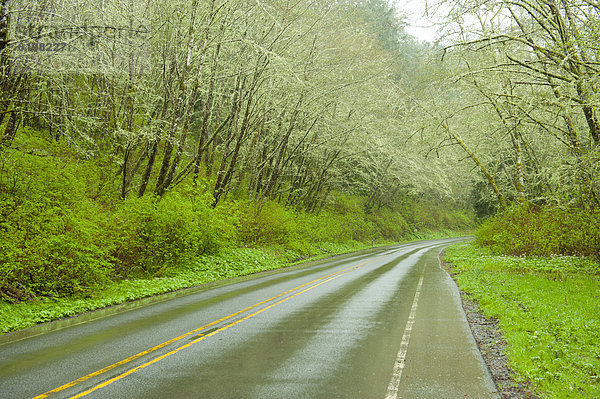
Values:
[(300, 290)]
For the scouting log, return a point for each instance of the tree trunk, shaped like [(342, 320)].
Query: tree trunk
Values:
[(4, 49), (11, 129), (480, 165), (276, 171), (149, 167), (236, 151)]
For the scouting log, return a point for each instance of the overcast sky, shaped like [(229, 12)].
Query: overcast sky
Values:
[(418, 25)]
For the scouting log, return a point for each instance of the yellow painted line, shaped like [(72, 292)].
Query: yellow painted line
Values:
[(147, 351), (174, 351)]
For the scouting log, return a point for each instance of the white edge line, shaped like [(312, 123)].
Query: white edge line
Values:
[(393, 386)]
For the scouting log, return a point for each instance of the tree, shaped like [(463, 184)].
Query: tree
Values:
[(540, 50)]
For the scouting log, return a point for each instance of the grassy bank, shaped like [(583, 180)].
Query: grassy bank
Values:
[(72, 241), (226, 264), (548, 310)]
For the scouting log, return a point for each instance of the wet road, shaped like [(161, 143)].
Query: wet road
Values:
[(384, 323)]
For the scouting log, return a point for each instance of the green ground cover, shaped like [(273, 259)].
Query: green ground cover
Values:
[(548, 310), (228, 263), (70, 242)]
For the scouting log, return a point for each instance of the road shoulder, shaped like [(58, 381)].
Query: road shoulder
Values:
[(491, 344), (443, 359)]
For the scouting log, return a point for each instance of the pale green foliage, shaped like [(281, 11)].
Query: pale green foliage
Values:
[(528, 95), (175, 128), (317, 79)]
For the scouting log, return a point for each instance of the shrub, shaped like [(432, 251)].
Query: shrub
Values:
[(150, 236), (48, 230), (270, 223), (542, 231), (390, 225)]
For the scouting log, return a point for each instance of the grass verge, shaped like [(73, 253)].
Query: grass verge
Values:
[(226, 264), (548, 310)]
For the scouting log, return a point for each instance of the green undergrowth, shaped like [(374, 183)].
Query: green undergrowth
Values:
[(227, 264), (548, 310), (70, 242), (533, 230)]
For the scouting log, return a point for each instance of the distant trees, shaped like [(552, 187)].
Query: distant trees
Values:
[(292, 102)]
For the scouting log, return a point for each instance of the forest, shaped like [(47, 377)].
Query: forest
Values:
[(151, 146), (139, 135)]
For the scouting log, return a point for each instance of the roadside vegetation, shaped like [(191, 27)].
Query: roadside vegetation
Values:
[(64, 253), (547, 310), (150, 146)]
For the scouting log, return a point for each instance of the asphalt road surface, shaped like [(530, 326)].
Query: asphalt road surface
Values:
[(384, 323)]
